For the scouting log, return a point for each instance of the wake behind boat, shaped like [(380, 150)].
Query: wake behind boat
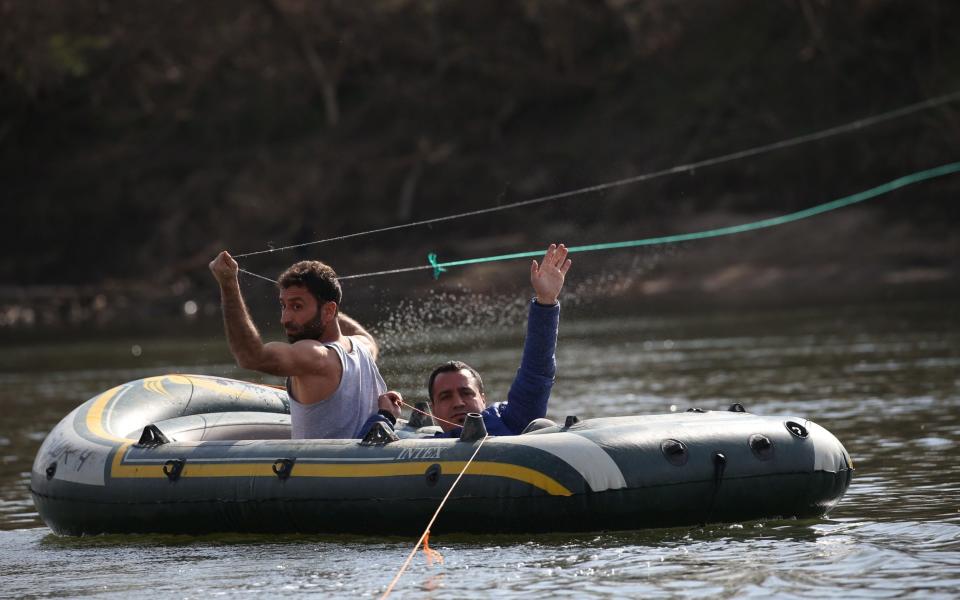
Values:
[(196, 454)]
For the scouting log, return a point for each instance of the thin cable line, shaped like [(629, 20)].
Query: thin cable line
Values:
[(722, 231), (874, 192), (255, 275), (709, 162), (434, 417), (387, 272), (426, 532)]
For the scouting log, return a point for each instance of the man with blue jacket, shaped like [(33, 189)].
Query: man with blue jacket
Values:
[(456, 389)]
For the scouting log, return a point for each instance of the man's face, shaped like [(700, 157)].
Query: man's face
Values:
[(455, 393), (300, 315)]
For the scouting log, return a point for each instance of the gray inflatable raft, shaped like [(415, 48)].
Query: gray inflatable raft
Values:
[(195, 454)]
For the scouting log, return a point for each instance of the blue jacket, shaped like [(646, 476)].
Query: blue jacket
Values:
[(530, 390)]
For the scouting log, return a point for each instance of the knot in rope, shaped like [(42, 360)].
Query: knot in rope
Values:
[(437, 269)]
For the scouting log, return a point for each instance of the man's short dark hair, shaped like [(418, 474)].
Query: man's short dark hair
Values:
[(319, 278), (450, 367)]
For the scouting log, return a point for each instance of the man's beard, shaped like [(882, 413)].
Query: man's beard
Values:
[(311, 330)]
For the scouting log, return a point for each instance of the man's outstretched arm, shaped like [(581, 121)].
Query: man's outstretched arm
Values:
[(245, 342), (242, 335), (530, 390)]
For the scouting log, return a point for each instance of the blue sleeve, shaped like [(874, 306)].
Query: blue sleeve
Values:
[(530, 391), (374, 418)]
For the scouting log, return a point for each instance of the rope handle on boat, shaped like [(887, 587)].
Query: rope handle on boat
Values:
[(424, 539), (173, 467), (282, 467), (719, 468)]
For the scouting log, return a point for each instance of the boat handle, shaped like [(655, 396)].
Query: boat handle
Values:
[(432, 474), (282, 467), (172, 468)]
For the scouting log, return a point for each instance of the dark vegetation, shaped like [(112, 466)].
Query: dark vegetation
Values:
[(137, 138)]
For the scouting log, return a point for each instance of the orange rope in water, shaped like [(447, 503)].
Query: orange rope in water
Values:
[(424, 539), (430, 553)]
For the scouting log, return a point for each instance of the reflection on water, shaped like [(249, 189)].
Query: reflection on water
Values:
[(884, 379)]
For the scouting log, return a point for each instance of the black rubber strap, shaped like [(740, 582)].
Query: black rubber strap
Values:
[(389, 416)]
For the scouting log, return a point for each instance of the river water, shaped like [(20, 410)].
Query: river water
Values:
[(884, 378)]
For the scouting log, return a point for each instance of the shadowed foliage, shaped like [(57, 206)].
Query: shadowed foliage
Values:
[(144, 136)]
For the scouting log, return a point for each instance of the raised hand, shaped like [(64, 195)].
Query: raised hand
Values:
[(224, 268), (547, 278)]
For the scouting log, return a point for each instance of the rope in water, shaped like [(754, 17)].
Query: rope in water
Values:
[(684, 168), (426, 532), (879, 190)]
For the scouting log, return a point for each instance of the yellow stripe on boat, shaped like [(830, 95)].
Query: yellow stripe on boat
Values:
[(96, 415), (494, 469), (392, 469), (219, 388)]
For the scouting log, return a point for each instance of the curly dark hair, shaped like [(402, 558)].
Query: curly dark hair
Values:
[(319, 278)]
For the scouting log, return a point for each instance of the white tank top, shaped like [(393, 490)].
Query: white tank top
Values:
[(347, 409)]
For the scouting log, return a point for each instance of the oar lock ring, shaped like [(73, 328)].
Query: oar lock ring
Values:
[(152, 437), (796, 429)]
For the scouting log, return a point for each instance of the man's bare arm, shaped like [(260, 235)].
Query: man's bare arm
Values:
[(242, 335), (245, 342), (349, 326)]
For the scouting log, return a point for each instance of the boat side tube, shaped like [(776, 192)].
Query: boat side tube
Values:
[(154, 456)]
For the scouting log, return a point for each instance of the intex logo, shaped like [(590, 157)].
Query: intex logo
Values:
[(418, 453)]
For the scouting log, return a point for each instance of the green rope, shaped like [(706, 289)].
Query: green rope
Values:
[(890, 186)]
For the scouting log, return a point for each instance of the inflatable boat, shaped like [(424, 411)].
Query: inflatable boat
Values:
[(196, 454)]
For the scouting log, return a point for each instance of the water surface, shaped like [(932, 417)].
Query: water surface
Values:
[(884, 378)]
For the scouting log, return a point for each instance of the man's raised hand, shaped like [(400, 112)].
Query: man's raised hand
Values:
[(224, 268), (547, 278)]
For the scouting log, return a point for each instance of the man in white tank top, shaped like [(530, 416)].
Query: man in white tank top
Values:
[(330, 362)]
